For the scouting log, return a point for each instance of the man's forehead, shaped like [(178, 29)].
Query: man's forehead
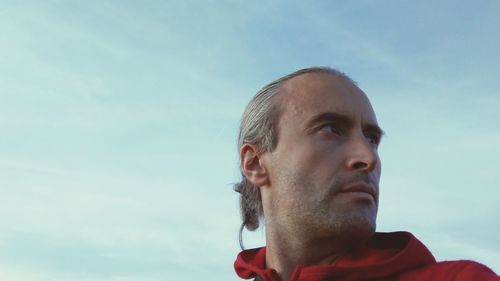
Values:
[(325, 92)]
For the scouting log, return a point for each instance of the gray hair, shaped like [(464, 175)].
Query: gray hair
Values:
[(259, 127)]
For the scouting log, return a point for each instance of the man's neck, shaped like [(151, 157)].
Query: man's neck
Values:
[(283, 254)]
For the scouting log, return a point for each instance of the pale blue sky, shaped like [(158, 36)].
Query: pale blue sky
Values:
[(119, 123)]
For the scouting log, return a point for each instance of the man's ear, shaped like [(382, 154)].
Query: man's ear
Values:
[(252, 165)]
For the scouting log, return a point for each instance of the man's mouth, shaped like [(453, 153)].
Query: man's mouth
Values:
[(360, 188)]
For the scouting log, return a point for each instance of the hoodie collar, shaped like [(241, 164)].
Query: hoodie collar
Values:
[(385, 254)]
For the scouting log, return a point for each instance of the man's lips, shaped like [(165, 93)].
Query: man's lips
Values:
[(360, 186)]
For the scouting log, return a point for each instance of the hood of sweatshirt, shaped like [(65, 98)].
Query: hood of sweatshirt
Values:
[(385, 254)]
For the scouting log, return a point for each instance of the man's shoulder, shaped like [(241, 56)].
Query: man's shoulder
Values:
[(460, 270), (410, 247)]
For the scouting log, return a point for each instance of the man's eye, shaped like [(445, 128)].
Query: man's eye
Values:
[(330, 128), (374, 139)]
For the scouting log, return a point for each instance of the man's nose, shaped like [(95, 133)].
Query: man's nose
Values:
[(362, 155)]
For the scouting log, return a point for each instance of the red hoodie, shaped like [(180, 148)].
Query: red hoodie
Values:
[(396, 256)]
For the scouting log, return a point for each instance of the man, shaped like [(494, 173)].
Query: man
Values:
[(308, 156)]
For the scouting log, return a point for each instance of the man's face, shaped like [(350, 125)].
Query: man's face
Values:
[(325, 170)]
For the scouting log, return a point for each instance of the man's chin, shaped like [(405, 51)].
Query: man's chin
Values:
[(355, 228)]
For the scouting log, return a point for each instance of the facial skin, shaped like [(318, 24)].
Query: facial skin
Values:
[(327, 141)]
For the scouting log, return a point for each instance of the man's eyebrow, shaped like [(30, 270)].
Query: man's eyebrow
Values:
[(330, 116), (373, 128), (345, 120)]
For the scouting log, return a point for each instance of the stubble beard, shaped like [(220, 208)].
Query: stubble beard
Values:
[(314, 213)]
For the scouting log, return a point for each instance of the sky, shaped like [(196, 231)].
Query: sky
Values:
[(119, 122)]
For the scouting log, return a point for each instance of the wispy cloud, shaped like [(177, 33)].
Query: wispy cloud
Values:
[(119, 127)]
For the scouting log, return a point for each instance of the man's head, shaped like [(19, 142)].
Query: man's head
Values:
[(308, 150)]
